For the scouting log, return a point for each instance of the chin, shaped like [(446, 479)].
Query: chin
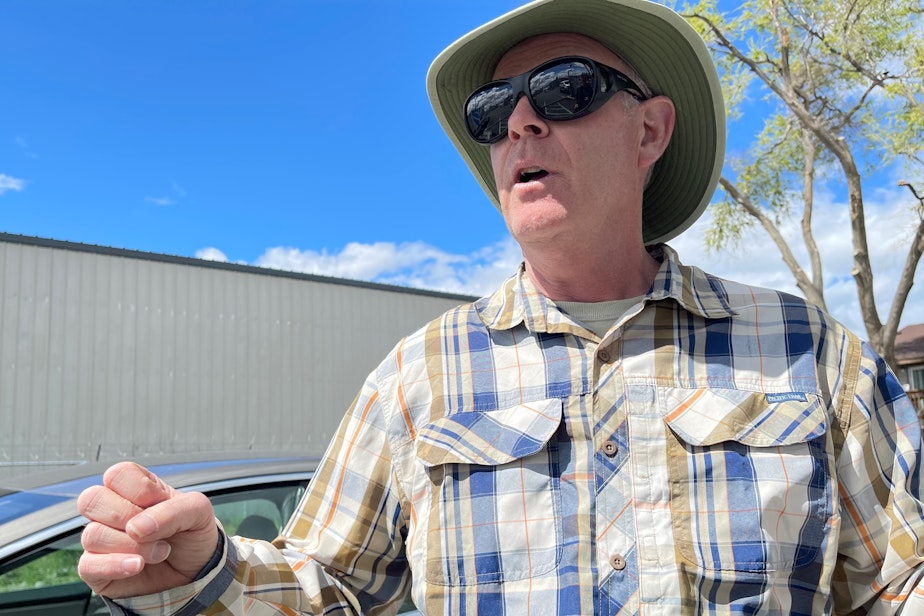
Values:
[(536, 229), (534, 213)]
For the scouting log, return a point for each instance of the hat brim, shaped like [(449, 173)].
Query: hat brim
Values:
[(658, 43)]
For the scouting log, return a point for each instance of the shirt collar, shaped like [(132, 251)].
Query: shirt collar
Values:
[(518, 301)]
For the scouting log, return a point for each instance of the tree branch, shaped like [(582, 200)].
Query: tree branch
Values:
[(812, 293), (905, 282), (808, 194)]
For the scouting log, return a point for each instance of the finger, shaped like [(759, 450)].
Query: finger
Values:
[(137, 484), (100, 504), (100, 570), (187, 523), (100, 539), (184, 513)]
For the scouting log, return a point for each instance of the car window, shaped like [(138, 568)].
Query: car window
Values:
[(45, 582), (54, 564), (259, 513)]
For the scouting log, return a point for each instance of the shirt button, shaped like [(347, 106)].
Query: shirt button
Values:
[(610, 448), (604, 356), (618, 562)]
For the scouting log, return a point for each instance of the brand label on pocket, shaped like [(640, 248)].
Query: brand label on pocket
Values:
[(789, 396)]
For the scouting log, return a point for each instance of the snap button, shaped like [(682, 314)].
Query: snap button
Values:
[(610, 448), (617, 562)]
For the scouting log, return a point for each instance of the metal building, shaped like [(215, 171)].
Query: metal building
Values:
[(108, 353)]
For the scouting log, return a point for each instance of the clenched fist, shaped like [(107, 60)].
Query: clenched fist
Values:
[(143, 537)]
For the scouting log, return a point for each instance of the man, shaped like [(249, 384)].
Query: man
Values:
[(612, 432)]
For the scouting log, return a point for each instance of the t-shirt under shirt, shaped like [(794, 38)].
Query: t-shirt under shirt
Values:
[(598, 317)]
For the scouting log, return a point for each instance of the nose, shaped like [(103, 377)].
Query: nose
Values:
[(525, 121)]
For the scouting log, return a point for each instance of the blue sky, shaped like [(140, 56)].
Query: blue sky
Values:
[(283, 133), (169, 126)]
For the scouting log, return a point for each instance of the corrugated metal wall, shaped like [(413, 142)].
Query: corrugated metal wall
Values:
[(106, 353)]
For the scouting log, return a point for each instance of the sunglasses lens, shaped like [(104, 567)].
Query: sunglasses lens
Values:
[(562, 91), (487, 111)]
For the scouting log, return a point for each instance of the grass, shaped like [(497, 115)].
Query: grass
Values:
[(51, 569)]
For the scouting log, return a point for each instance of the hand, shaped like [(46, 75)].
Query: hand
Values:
[(143, 537)]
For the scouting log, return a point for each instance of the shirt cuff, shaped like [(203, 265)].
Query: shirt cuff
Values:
[(211, 582), (217, 555)]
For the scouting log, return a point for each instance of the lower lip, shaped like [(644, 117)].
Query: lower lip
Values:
[(532, 185)]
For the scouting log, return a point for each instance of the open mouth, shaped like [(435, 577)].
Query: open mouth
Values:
[(532, 173)]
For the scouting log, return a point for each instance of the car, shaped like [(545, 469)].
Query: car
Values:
[(40, 527)]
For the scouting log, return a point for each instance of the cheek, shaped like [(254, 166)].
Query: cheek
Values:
[(498, 157), (609, 161)]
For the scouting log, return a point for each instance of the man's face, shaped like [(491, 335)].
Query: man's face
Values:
[(566, 182)]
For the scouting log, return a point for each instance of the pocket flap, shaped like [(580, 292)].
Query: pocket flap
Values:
[(710, 416), (489, 437)]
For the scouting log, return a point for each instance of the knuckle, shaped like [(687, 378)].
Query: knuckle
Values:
[(197, 500), (88, 500), (137, 484), (185, 511), (83, 568), (202, 506), (89, 537), (90, 571), (102, 505), (118, 473), (101, 539)]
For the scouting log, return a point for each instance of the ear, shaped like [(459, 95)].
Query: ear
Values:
[(658, 120)]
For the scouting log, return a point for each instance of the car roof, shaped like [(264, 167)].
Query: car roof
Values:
[(45, 500)]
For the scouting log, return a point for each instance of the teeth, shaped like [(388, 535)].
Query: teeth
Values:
[(529, 173)]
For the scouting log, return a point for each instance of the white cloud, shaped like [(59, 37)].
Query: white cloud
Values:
[(412, 264), (8, 182), (211, 254), (178, 193), (24, 147), (163, 201)]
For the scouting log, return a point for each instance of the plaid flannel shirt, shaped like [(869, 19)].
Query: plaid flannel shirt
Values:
[(722, 449)]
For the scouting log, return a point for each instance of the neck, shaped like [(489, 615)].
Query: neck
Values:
[(616, 275)]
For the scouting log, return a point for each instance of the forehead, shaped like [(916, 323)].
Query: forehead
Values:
[(537, 49)]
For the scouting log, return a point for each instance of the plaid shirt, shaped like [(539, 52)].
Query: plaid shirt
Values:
[(722, 449)]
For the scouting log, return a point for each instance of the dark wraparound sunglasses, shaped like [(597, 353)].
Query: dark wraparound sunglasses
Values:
[(561, 89)]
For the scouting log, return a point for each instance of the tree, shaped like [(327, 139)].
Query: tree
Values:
[(844, 80)]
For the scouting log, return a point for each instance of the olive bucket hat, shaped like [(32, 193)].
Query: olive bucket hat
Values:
[(660, 45)]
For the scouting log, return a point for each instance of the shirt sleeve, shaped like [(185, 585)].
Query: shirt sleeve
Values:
[(881, 549), (342, 552)]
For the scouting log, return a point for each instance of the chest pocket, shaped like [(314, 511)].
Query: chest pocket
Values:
[(496, 507), (750, 483)]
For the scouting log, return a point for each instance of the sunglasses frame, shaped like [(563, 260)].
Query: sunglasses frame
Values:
[(612, 81)]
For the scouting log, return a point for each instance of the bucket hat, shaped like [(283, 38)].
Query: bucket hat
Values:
[(657, 43)]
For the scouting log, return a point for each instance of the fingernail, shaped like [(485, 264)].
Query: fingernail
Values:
[(159, 552), (141, 526), (132, 565)]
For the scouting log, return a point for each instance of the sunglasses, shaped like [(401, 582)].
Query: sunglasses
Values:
[(565, 88)]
